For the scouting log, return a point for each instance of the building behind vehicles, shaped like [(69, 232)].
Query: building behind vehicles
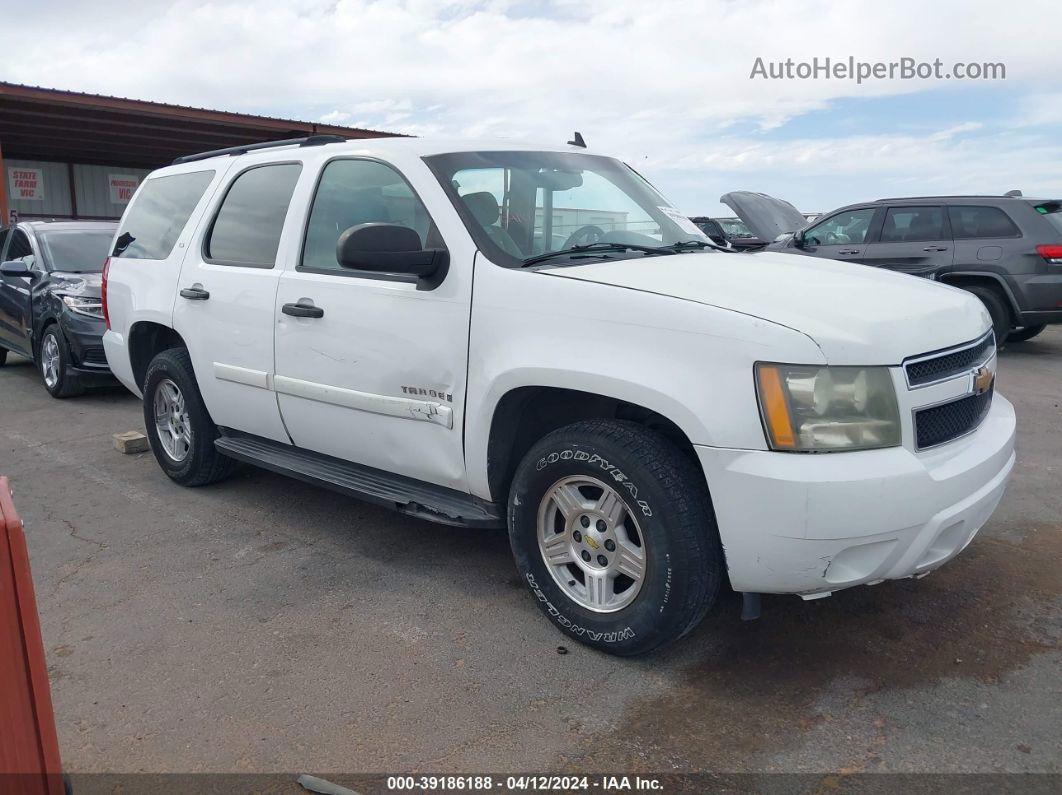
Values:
[(50, 309), (1006, 250), (410, 322)]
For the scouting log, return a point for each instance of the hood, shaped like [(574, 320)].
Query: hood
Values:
[(86, 284), (856, 314), (765, 216)]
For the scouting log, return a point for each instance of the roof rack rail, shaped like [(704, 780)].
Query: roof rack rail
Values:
[(310, 140), (953, 196)]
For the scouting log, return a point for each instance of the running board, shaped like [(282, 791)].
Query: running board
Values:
[(406, 495)]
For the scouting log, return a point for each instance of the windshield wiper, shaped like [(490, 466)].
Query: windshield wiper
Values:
[(682, 245), (595, 247)]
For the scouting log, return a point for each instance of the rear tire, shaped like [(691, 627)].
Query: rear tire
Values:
[(53, 361), (179, 427), (1025, 334), (997, 310), (663, 504)]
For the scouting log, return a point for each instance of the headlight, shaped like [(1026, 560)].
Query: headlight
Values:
[(808, 408), (84, 306)]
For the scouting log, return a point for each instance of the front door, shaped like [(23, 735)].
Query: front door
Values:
[(226, 292), (842, 236), (913, 240), (372, 369), (16, 321)]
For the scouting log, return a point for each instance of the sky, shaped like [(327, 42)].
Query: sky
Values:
[(665, 85)]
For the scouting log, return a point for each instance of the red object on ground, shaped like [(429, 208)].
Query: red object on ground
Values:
[(29, 748)]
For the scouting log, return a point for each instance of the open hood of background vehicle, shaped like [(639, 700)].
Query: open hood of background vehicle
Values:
[(765, 216)]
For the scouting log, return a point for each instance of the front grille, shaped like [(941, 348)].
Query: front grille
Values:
[(929, 368), (93, 354), (939, 424)]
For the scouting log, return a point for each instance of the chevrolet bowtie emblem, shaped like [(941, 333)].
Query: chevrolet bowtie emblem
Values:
[(982, 380)]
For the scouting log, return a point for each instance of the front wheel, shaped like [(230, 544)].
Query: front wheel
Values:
[(613, 532), (53, 359), (179, 427)]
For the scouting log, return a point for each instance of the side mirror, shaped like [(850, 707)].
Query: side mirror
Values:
[(798, 238), (388, 248), (16, 268)]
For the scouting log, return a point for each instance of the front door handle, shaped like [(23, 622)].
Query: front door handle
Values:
[(935, 248), (848, 251), (302, 310), (195, 294)]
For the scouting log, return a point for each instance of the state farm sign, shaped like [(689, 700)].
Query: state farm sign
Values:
[(26, 184), (122, 187)]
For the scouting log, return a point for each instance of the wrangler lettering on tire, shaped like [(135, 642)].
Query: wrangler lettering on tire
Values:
[(612, 529)]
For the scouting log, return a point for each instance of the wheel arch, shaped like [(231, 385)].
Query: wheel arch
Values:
[(984, 279), (524, 414), (146, 340)]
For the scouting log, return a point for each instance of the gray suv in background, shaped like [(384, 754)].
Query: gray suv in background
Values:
[(1006, 250)]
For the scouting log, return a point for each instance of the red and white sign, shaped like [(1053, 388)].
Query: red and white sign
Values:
[(122, 187), (25, 184)]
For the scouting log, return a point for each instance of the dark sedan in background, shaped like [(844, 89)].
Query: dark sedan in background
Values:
[(50, 310)]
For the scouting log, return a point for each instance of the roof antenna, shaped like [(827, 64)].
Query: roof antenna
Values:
[(577, 140), (1013, 193)]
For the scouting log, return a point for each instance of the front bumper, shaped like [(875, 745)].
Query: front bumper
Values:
[(84, 336), (813, 524)]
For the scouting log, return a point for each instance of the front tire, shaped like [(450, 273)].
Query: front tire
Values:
[(179, 427), (53, 360), (612, 530)]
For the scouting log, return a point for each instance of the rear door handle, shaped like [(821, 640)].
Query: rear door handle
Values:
[(302, 310), (848, 251), (935, 248), (195, 294)]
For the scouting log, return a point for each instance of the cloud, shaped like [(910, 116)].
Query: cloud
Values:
[(662, 84)]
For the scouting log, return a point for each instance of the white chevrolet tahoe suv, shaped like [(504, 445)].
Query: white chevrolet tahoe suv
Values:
[(533, 337)]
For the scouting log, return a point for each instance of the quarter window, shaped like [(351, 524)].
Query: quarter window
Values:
[(246, 230), (973, 222), (158, 214), (909, 224), (845, 228), (353, 192)]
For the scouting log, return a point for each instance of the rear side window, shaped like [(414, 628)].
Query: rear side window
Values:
[(909, 224), (1052, 211), (158, 215), (972, 222), (246, 230)]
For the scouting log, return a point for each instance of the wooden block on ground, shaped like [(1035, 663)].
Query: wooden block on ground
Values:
[(130, 442)]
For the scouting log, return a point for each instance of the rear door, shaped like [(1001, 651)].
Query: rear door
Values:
[(226, 294), (915, 240), (841, 236), (15, 318)]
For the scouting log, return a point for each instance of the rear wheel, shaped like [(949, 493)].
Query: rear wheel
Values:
[(997, 310), (612, 530), (179, 428), (1025, 334), (53, 360)]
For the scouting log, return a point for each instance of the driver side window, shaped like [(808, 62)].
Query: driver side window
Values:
[(353, 192), (850, 226), (19, 248)]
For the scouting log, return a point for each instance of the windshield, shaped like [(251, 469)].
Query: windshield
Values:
[(519, 205), (735, 227), (75, 250)]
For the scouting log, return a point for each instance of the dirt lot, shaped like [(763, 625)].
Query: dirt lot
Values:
[(266, 625)]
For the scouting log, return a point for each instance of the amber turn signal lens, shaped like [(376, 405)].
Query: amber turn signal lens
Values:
[(775, 408)]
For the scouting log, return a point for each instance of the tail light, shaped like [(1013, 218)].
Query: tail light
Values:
[(1052, 254), (103, 292)]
